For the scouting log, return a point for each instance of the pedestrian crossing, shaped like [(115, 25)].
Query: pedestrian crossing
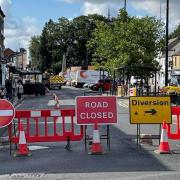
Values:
[(122, 103)]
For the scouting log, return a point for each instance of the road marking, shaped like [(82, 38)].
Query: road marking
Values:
[(61, 102), (33, 148), (123, 104), (51, 103), (6, 112), (26, 176)]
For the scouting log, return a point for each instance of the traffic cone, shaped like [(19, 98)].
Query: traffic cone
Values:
[(96, 144), (57, 102), (164, 145), (22, 147)]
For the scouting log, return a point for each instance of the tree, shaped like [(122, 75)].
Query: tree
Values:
[(68, 37), (125, 41), (34, 50), (175, 33), (46, 46)]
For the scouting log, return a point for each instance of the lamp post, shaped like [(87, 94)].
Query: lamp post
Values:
[(125, 5), (22, 50), (167, 32)]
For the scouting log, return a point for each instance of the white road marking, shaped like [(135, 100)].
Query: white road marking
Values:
[(32, 148), (51, 103), (61, 102), (123, 104)]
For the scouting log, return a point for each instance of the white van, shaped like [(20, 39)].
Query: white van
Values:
[(88, 76)]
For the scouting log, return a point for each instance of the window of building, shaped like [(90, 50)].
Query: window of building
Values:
[(175, 61)]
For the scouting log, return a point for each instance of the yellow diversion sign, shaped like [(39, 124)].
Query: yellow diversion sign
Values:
[(150, 110)]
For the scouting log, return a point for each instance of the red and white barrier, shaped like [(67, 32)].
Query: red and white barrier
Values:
[(164, 147), (47, 118)]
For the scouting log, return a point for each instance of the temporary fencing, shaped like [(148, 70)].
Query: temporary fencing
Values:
[(174, 135), (58, 132)]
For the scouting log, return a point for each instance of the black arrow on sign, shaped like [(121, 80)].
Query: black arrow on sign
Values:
[(152, 111)]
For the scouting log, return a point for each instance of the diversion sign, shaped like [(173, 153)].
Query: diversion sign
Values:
[(150, 110)]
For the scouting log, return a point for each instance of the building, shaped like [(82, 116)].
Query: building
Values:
[(22, 61), (11, 63), (176, 60), (173, 60), (2, 61)]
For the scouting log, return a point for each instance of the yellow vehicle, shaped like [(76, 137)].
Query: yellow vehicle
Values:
[(171, 90), (56, 81)]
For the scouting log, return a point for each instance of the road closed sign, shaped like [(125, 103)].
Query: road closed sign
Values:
[(7, 113), (96, 109), (150, 110)]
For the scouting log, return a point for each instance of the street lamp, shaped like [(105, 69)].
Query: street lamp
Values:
[(125, 5), (167, 32), (22, 51)]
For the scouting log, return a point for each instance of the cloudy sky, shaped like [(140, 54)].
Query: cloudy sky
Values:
[(25, 18)]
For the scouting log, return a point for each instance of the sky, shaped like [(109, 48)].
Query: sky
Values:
[(26, 18)]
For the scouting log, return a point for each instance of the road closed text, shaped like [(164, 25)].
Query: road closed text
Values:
[(97, 115), (96, 109)]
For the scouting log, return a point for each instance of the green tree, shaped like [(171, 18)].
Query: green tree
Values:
[(175, 33), (34, 50), (46, 48), (126, 41), (68, 37)]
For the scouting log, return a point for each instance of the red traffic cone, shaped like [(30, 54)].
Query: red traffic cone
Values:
[(96, 144), (57, 102), (164, 145), (22, 147)]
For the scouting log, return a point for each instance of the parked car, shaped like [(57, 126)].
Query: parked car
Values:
[(105, 85)]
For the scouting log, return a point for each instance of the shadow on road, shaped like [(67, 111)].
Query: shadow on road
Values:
[(124, 156)]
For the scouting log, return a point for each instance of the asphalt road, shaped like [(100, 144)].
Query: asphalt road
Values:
[(125, 160)]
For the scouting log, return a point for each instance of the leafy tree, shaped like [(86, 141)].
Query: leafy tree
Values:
[(34, 50), (175, 33), (66, 37), (126, 41)]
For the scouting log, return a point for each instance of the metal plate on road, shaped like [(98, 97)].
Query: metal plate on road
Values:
[(150, 110)]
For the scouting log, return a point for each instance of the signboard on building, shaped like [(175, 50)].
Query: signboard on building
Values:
[(150, 110), (96, 109)]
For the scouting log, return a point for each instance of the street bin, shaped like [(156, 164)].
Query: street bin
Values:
[(132, 91)]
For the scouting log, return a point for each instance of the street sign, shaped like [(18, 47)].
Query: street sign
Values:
[(96, 109), (150, 110), (7, 113)]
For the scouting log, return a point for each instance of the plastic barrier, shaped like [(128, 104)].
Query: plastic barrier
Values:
[(132, 91), (43, 118), (175, 135), (120, 91)]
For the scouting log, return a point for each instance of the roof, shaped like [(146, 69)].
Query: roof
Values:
[(177, 53), (174, 47), (8, 53)]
